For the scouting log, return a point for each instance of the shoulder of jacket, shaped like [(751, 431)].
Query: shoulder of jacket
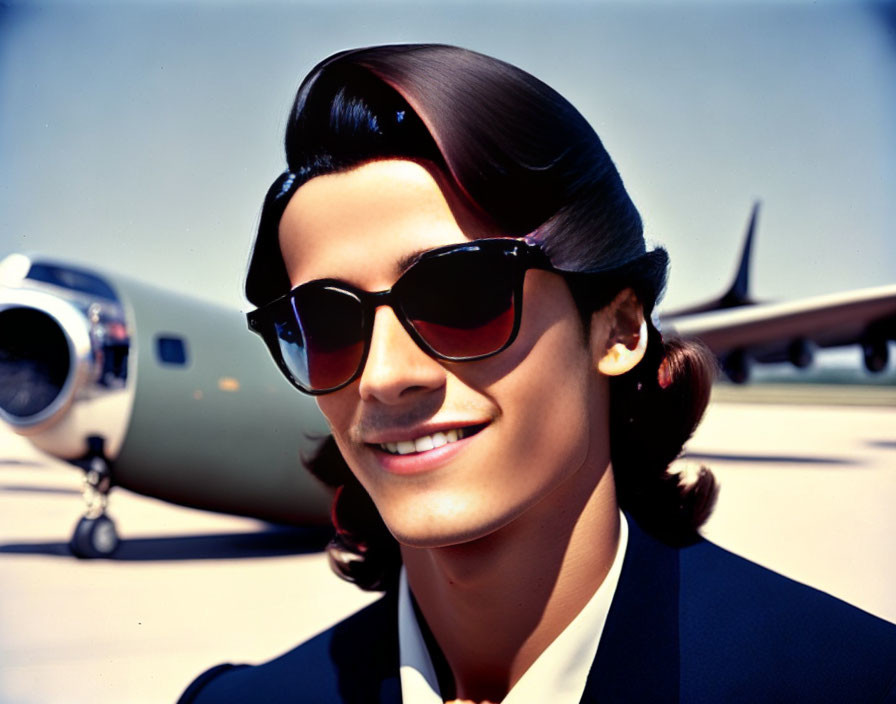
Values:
[(311, 669), (739, 618)]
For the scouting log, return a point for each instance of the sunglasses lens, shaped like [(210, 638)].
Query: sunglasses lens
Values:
[(462, 304), (321, 339)]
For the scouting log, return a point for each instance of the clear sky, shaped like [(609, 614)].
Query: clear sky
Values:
[(142, 137)]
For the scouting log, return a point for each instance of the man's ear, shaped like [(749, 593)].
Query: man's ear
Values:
[(619, 334)]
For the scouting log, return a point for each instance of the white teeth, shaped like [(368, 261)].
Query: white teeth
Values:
[(406, 447), (422, 444)]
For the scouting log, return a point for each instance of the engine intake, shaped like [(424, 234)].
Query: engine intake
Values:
[(35, 363)]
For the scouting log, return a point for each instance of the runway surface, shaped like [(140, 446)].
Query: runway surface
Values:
[(806, 490)]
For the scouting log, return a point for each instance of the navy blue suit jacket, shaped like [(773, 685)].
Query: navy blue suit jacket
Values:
[(694, 624)]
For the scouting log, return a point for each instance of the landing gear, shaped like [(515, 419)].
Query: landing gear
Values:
[(94, 537), (95, 534)]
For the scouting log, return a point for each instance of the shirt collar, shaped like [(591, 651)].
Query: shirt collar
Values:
[(558, 675)]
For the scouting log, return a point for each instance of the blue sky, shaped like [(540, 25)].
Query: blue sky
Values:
[(141, 137)]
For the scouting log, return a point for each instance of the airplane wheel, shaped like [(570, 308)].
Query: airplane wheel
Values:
[(94, 537)]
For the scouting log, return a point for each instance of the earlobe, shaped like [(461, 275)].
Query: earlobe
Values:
[(626, 342)]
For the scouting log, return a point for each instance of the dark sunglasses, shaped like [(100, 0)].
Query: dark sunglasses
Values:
[(459, 303)]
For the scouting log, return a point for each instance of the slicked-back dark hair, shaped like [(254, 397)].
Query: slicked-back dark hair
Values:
[(527, 162)]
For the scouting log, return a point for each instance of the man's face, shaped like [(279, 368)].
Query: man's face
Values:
[(508, 433)]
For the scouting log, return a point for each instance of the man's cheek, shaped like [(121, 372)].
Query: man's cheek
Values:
[(337, 414)]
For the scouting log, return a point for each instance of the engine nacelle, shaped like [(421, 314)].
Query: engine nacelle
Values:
[(876, 354), (189, 405), (800, 353), (736, 366)]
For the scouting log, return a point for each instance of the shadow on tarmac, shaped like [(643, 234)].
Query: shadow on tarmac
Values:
[(883, 444), (6, 462), (771, 459), (275, 542), (29, 489)]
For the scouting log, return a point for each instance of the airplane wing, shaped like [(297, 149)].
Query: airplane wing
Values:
[(790, 330)]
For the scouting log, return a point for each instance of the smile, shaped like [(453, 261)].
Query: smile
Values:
[(429, 442)]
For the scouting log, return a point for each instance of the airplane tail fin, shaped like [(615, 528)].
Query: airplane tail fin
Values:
[(739, 293)]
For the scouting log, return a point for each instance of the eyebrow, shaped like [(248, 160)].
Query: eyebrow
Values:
[(408, 260), (401, 265)]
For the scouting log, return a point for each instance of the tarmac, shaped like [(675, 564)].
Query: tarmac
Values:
[(807, 490)]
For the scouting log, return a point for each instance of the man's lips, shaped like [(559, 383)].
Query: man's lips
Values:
[(423, 442)]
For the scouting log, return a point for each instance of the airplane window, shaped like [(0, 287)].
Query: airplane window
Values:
[(72, 279), (171, 350)]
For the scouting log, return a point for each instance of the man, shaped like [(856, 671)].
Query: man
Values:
[(452, 266)]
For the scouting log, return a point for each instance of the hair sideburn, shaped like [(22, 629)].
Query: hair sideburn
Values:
[(530, 164)]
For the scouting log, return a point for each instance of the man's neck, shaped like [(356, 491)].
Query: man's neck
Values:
[(494, 604)]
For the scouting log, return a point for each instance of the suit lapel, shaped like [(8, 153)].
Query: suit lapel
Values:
[(638, 656)]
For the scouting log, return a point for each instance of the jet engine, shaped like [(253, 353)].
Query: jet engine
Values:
[(800, 353), (875, 354), (736, 365), (154, 391)]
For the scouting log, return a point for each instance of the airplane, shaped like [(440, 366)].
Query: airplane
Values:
[(741, 331), (169, 397), (157, 392)]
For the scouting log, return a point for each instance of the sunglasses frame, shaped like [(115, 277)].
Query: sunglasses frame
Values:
[(523, 256)]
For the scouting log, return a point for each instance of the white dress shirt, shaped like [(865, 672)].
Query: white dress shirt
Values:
[(558, 675)]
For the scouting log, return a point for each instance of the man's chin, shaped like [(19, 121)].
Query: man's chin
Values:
[(444, 533)]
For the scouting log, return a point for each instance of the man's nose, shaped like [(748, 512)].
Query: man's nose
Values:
[(396, 367)]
